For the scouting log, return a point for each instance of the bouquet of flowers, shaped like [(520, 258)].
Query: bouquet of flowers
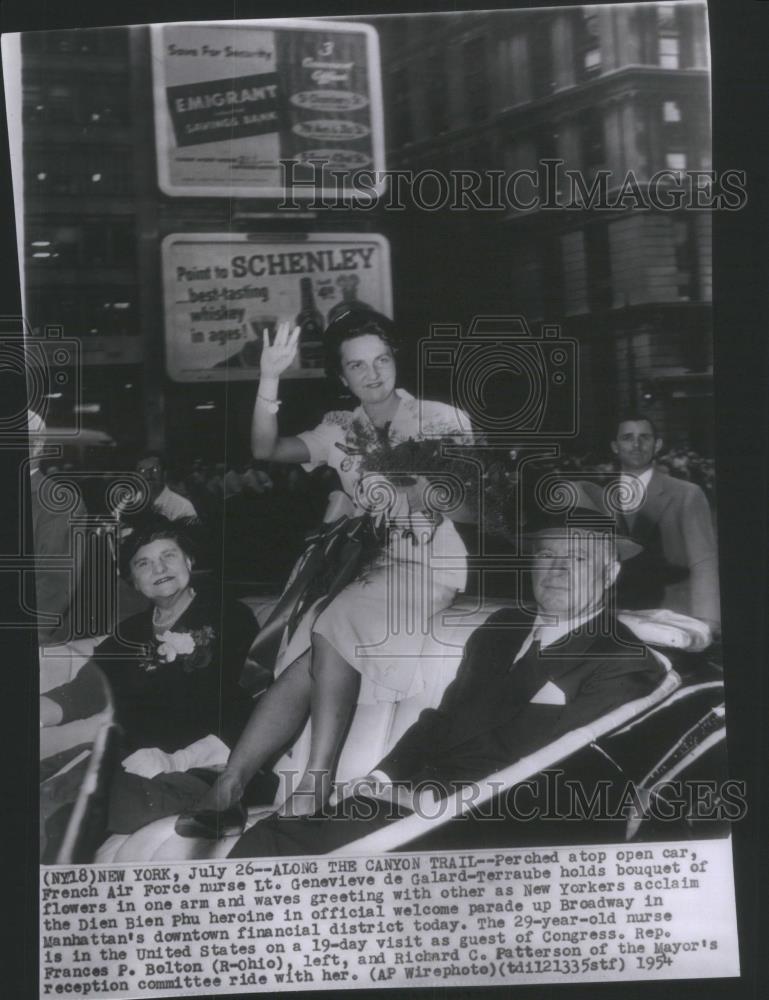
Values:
[(460, 480), (193, 649)]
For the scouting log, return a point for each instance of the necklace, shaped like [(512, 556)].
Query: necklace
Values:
[(159, 620)]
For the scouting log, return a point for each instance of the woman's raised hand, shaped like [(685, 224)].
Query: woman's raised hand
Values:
[(278, 355)]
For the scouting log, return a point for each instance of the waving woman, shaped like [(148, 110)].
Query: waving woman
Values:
[(361, 645)]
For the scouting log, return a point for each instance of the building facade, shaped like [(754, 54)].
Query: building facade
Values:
[(94, 222), (80, 243), (620, 91), (603, 91)]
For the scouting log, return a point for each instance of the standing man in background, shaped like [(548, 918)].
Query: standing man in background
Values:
[(671, 519), (152, 468)]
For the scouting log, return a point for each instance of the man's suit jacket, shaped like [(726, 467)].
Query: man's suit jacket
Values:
[(496, 712), (679, 567)]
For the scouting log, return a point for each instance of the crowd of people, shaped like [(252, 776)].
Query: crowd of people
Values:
[(386, 554)]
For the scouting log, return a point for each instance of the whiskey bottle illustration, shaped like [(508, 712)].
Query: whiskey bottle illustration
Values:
[(311, 326), (348, 285)]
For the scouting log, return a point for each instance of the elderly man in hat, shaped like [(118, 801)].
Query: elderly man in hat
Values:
[(528, 676)]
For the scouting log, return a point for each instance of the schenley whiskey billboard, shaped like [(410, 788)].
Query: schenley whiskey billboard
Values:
[(233, 101), (222, 291)]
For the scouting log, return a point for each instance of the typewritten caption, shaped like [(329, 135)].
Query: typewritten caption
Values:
[(518, 915)]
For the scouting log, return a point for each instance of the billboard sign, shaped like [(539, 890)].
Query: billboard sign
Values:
[(222, 290), (233, 99)]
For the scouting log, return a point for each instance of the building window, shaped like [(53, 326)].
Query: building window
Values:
[(685, 248), (476, 80), (592, 140), (111, 42), (674, 136), (52, 246), (92, 101), (33, 104), (104, 104), (94, 42), (61, 308), (435, 92), (107, 171), (96, 245), (669, 53), (107, 243), (67, 43), (676, 161), (587, 43), (110, 313), (92, 312), (110, 245), (51, 172), (670, 36), (58, 172), (598, 266), (49, 102), (541, 57)]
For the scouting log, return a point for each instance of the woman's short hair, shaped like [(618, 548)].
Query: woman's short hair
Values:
[(358, 321), (143, 529)]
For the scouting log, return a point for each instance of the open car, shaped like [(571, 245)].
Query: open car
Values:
[(656, 763)]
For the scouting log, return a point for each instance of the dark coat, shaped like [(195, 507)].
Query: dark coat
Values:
[(485, 722), (678, 569), (175, 703), (487, 719)]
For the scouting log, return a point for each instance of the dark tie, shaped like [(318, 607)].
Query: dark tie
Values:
[(626, 518), (525, 674)]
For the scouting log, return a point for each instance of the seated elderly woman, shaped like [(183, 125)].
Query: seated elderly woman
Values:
[(174, 671)]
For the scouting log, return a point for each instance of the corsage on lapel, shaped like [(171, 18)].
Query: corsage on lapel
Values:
[(193, 649)]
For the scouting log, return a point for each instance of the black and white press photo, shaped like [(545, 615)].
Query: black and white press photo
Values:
[(373, 543)]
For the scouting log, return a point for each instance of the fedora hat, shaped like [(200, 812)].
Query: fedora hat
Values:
[(576, 505)]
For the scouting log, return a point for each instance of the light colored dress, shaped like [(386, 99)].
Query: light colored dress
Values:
[(378, 622)]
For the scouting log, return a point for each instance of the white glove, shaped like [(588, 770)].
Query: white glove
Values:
[(208, 752), (150, 761), (147, 762)]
